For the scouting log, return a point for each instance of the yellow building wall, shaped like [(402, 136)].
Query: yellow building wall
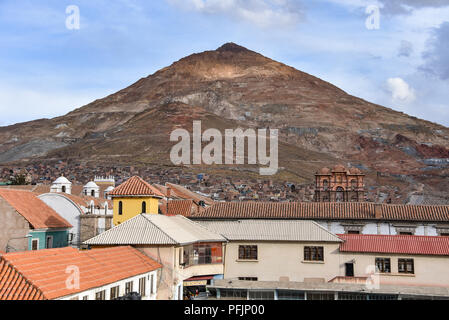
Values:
[(132, 207)]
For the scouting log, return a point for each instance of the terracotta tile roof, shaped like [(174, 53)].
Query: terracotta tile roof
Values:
[(178, 207), (324, 210), (14, 286), (184, 193), (400, 244), (136, 186), (85, 200), (42, 274), (34, 210)]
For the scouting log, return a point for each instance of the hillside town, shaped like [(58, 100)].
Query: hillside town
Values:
[(133, 238)]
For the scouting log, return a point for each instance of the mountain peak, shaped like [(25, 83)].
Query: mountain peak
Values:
[(231, 47)]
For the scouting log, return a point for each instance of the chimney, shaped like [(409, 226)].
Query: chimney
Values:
[(168, 192), (378, 210)]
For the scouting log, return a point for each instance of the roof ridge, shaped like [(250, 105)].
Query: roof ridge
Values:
[(145, 216)]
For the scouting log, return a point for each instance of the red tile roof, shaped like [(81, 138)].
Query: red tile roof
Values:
[(178, 207), (42, 274), (136, 186), (34, 210), (400, 244), (324, 210)]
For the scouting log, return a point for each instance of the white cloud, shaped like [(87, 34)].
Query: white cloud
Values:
[(262, 13), (400, 90)]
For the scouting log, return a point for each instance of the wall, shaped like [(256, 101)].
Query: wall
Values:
[(278, 260), (60, 238), (429, 270), (90, 223), (149, 296), (67, 209), (132, 206), (12, 225)]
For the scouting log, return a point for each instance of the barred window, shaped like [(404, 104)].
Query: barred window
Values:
[(128, 287), (142, 287), (383, 265), (247, 252), (313, 254), (406, 266), (114, 292)]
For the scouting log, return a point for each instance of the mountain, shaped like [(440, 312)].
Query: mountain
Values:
[(319, 124)]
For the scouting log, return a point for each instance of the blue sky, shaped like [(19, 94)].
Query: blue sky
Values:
[(47, 70)]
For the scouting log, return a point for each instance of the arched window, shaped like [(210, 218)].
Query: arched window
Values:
[(92, 193), (339, 195), (120, 208), (63, 189), (325, 185), (144, 207)]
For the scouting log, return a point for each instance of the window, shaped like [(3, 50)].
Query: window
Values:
[(115, 292), (63, 189), (444, 234), (406, 233), (406, 266), (144, 207), (290, 295), (129, 287), (86, 298), (313, 254), (320, 296), (152, 284), (49, 242), (100, 295), (35, 244), (75, 298), (261, 295), (233, 293), (202, 253), (247, 252), (142, 287), (120, 207), (248, 278), (353, 232), (92, 193), (383, 265)]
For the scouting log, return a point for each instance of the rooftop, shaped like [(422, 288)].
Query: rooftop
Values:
[(400, 244), (324, 210), (153, 229), (41, 275), (385, 289), (271, 230), (136, 186), (34, 210)]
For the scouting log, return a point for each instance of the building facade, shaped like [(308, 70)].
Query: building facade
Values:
[(339, 185)]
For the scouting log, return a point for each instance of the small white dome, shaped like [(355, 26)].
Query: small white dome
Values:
[(109, 189), (62, 180), (91, 184)]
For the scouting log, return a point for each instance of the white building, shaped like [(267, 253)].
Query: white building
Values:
[(61, 185), (91, 189)]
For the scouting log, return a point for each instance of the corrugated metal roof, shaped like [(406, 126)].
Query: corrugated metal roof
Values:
[(271, 230), (324, 210), (156, 229), (401, 244)]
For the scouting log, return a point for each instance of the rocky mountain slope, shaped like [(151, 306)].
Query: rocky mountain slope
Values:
[(320, 125)]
